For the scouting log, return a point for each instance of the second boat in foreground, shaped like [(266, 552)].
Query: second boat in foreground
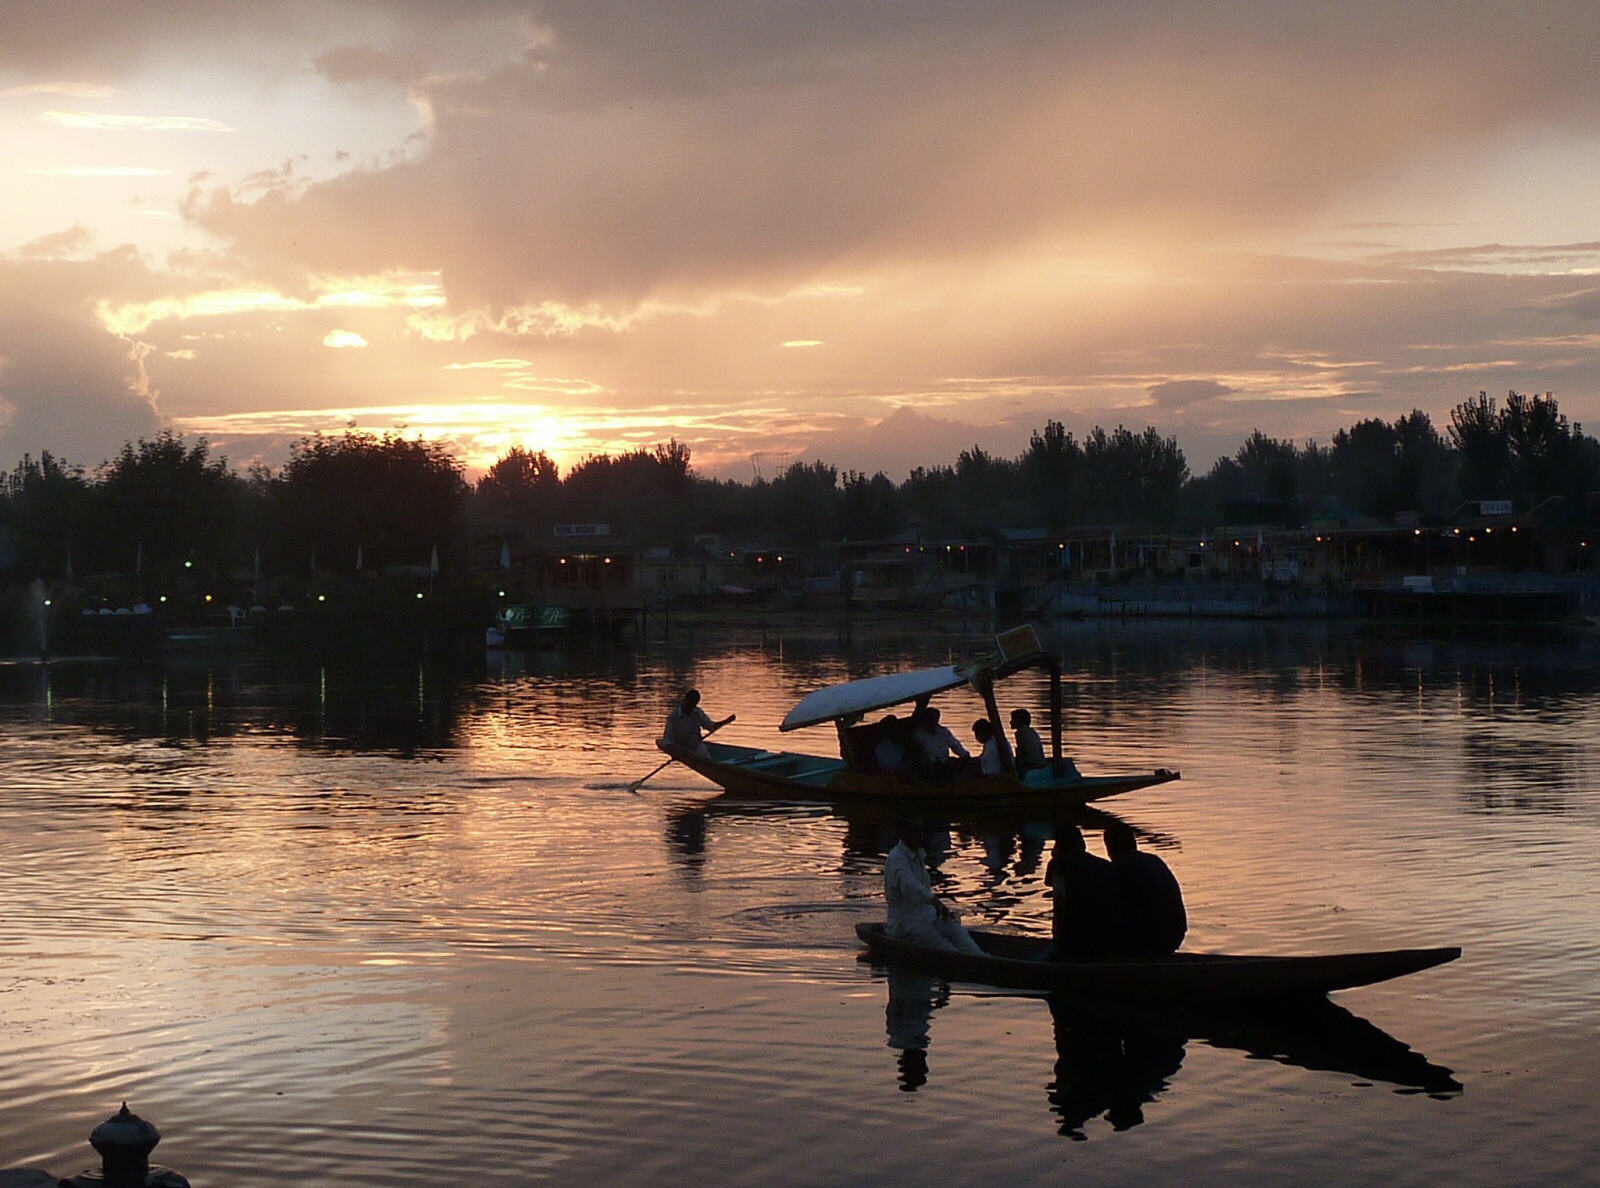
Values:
[(1012, 961)]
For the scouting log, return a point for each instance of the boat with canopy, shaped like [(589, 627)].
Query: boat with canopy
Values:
[(854, 773)]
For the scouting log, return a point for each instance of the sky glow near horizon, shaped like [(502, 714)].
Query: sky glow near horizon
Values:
[(874, 235)]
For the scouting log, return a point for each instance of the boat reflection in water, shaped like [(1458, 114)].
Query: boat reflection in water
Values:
[(1111, 1062), (1012, 844)]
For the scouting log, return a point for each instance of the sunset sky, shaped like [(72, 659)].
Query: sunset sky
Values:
[(871, 232)]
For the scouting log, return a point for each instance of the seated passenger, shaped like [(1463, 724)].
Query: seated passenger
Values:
[(990, 761), (1030, 747), (1154, 920), (890, 752), (1087, 922), (915, 913), (938, 742)]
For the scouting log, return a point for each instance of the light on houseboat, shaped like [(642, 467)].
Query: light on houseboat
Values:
[(419, 595), (320, 598)]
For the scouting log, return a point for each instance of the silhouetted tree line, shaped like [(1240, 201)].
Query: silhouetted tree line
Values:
[(367, 501)]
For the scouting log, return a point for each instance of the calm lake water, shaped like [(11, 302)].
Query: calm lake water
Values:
[(408, 926)]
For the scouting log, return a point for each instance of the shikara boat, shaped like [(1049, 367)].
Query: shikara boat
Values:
[(852, 775), (1013, 961)]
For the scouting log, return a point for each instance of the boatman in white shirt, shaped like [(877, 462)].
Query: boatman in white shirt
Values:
[(915, 913), (685, 723)]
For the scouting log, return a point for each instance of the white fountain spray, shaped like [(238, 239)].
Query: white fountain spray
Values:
[(41, 616)]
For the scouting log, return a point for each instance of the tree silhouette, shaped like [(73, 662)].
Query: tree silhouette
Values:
[(162, 503), (386, 500), (1425, 466), (1524, 452), (1479, 437), (1052, 475), (1133, 478), (870, 507), (643, 493), (1365, 463), (804, 503), (46, 509), (520, 494)]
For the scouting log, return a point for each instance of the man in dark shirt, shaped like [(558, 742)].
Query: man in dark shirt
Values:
[(1088, 921), (1030, 747), (1154, 919), (686, 722)]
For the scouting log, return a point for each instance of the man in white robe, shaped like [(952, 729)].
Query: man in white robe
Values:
[(915, 914)]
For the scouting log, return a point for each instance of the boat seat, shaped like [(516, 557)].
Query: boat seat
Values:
[(765, 759), (863, 741)]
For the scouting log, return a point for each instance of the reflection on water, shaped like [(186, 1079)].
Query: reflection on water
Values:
[(413, 916), (1110, 1067), (913, 997), (1112, 1062)]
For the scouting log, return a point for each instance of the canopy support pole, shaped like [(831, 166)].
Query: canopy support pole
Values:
[(1055, 711)]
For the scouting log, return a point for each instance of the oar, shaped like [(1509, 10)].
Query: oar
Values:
[(638, 783)]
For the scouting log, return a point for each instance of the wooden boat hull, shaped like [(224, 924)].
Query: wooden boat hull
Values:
[(1183, 978), (787, 775)]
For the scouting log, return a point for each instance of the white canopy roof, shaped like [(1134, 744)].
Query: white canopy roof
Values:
[(874, 693)]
